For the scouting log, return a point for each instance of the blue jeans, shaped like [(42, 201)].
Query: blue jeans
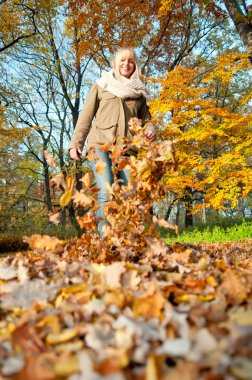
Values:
[(101, 180)]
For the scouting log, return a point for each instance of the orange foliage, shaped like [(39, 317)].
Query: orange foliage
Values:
[(213, 141)]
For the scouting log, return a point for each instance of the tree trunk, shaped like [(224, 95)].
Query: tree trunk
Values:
[(48, 199), (188, 199), (242, 22)]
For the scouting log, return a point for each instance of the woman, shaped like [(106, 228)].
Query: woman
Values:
[(113, 100)]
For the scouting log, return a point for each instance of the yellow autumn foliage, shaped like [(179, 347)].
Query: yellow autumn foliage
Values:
[(203, 110)]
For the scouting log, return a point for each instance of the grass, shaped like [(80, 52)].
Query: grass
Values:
[(212, 234)]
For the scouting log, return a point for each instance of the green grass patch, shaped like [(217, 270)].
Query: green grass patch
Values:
[(212, 234)]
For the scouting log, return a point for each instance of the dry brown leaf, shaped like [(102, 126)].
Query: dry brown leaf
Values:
[(163, 223), (38, 367), (55, 217), (183, 371), (149, 307), (45, 242), (58, 180), (113, 273), (86, 179), (26, 337), (81, 198), (7, 272), (233, 287), (99, 166), (50, 159)]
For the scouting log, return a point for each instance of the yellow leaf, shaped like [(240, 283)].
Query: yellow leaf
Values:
[(211, 281), (69, 182), (66, 366), (74, 346), (50, 321), (242, 317), (58, 301), (73, 289), (63, 336), (186, 298), (151, 369), (207, 297), (65, 198)]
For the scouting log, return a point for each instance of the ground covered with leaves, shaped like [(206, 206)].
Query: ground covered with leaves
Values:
[(175, 312)]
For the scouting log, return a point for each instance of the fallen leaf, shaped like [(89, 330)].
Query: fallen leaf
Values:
[(55, 217), (50, 159), (38, 367), (29, 293), (109, 367), (241, 368), (149, 307), (86, 179), (12, 365), (66, 366), (242, 316), (7, 272), (112, 274), (45, 242), (26, 337), (233, 287), (163, 223), (203, 343), (65, 198), (58, 180), (99, 166), (151, 369), (81, 198), (62, 336)]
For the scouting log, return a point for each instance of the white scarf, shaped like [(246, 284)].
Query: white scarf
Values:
[(123, 87)]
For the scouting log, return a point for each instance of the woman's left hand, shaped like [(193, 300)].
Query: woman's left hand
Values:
[(150, 135)]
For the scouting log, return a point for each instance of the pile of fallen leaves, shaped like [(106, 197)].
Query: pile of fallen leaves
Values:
[(128, 306), (177, 312)]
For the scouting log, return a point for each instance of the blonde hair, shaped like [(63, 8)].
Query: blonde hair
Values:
[(126, 52)]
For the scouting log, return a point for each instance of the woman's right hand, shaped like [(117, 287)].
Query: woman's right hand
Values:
[(75, 154)]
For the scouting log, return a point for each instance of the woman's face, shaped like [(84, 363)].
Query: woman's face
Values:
[(126, 66)]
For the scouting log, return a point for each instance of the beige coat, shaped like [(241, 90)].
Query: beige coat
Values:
[(105, 117)]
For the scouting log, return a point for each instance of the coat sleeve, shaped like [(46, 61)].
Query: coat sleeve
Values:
[(85, 119), (145, 116)]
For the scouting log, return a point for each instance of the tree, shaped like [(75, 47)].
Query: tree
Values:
[(241, 15), (239, 11), (163, 36), (17, 22), (20, 182), (48, 76), (208, 114)]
